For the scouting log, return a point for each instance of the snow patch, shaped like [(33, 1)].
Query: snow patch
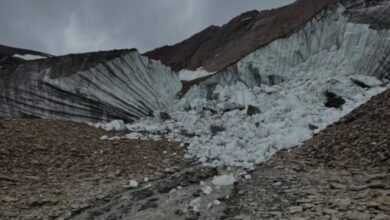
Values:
[(28, 56), (188, 75)]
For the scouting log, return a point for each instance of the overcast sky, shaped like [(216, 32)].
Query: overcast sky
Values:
[(69, 26)]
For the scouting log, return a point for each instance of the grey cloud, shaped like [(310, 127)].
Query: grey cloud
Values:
[(59, 27)]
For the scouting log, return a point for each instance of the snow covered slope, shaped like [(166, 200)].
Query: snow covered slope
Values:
[(88, 87), (279, 95)]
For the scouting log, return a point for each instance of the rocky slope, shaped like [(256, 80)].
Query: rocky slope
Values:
[(98, 86), (341, 173), (52, 168)]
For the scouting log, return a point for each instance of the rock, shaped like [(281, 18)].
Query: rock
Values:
[(9, 199), (381, 217), (143, 194), (277, 214), (10, 214), (295, 209), (179, 212), (277, 184), (333, 100), (372, 204), (165, 116), (342, 204), (132, 184), (252, 110), (373, 185), (384, 199), (313, 127), (307, 206), (215, 129), (148, 205), (337, 186), (330, 211), (35, 201), (355, 215), (366, 81)]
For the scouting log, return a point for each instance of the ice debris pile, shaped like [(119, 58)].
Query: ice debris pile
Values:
[(276, 97), (245, 126)]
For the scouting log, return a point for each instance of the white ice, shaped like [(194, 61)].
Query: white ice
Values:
[(28, 56), (223, 180), (188, 75)]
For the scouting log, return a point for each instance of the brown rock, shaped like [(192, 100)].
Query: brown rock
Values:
[(9, 199), (381, 217)]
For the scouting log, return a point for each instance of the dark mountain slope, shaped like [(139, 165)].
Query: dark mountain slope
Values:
[(7, 54)]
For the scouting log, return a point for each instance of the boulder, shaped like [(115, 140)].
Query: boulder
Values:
[(252, 110), (333, 100)]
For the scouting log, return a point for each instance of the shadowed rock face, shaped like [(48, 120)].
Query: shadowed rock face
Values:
[(215, 48), (99, 86)]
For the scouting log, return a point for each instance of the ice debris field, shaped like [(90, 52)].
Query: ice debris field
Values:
[(244, 127)]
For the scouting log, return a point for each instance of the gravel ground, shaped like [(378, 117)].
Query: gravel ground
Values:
[(53, 168)]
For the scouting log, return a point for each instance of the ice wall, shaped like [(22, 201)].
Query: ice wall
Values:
[(127, 87)]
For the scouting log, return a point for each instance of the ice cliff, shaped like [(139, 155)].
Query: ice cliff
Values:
[(88, 87)]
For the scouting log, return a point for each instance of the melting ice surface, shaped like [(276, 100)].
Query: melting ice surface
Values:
[(285, 83)]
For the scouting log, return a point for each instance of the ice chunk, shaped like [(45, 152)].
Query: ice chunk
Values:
[(195, 204), (133, 184), (223, 180), (206, 189)]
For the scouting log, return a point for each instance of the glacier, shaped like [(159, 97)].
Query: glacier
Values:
[(126, 86), (286, 82)]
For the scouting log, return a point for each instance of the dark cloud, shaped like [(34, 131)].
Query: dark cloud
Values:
[(67, 26)]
